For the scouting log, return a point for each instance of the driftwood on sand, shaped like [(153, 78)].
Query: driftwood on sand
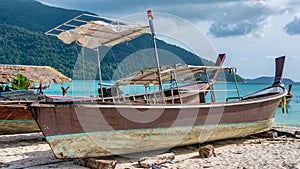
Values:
[(207, 151), (147, 162), (94, 163)]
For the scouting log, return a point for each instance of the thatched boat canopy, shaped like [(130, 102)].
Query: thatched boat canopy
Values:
[(149, 76), (37, 74)]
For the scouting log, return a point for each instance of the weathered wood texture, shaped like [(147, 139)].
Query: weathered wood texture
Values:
[(123, 142), (16, 118), (148, 162), (207, 151), (72, 119), (94, 163), (15, 112)]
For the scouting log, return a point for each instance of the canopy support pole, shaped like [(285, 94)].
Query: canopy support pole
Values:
[(150, 18), (83, 71), (100, 75), (211, 88), (175, 77), (235, 83)]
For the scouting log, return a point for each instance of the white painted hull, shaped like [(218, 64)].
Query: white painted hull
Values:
[(139, 140)]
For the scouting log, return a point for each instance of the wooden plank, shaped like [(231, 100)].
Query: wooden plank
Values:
[(13, 106), (207, 151), (94, 163), (147, 162)]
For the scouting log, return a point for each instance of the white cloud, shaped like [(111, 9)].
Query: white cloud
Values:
[(229, 18), (236, 29)]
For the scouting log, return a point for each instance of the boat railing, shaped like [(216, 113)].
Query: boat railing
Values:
[(178, 95), (149, 96)]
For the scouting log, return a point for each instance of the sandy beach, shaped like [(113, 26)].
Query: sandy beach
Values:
[(31, 151)]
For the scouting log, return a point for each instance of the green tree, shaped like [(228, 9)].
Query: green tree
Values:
[(20, 82)]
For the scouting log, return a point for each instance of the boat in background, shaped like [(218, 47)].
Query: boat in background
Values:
[(289, 95), (15, 116), (84, 128), (286, 100)]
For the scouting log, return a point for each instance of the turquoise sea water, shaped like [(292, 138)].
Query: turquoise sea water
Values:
[(292, 118)]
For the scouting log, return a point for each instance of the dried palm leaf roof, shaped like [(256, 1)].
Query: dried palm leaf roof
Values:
[(150, 76), (37, 74)]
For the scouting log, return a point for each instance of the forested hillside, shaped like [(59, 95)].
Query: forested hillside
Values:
[(33, 15), (20, 46), (22, 41)]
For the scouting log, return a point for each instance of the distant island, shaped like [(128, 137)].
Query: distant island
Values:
[(269, 80)]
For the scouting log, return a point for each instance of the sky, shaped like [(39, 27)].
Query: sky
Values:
[(251, 32)]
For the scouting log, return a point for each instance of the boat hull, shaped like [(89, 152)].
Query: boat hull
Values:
[(83, 130), (140, 140), (288, 99), (16, 118)]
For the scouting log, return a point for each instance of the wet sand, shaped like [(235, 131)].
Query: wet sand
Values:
[(31, 151)]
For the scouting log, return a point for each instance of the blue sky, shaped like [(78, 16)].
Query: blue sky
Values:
[(250, 32)]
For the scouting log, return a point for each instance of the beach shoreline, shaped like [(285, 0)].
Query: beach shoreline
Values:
[(31, 151)]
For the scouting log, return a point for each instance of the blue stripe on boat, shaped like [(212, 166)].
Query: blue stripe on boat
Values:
[(17, 121)]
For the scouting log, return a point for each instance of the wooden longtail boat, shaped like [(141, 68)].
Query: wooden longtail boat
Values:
[(289, 95), (15, 116), (80, 129)]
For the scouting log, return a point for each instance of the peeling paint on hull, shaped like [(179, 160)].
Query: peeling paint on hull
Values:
[(130, 141)]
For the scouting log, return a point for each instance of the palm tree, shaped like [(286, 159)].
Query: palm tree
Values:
[(20, 82)]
